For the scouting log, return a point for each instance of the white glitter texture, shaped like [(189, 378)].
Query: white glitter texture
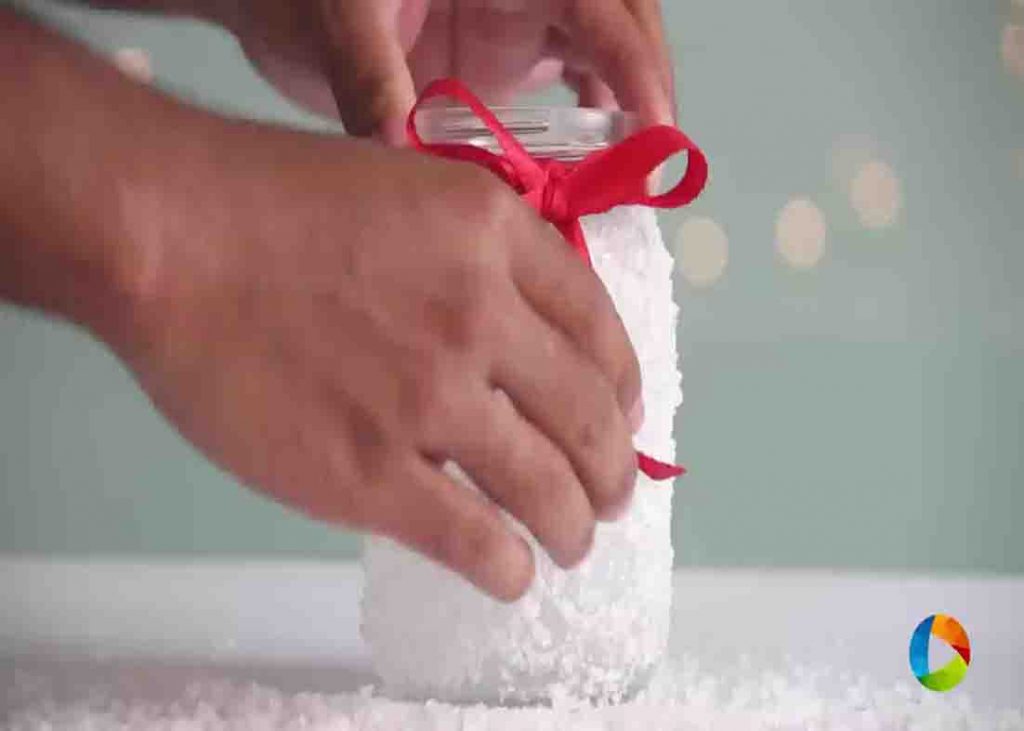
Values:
[(683, 699), (595, 632)]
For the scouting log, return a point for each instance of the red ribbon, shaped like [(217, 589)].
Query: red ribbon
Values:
[(562, 193)]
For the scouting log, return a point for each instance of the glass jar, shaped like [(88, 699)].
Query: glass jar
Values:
[(595, 632)]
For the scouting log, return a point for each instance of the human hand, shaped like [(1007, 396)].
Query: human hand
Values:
[(331, 320), (365, 59)]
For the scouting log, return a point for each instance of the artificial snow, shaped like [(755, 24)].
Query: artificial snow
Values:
[(677, 699), (595, 632)]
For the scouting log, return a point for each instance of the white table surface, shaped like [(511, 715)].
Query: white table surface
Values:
[(144, 627)]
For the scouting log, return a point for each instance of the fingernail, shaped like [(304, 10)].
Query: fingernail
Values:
[(636, 415)]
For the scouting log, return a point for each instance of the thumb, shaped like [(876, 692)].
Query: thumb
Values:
[(366, 66)]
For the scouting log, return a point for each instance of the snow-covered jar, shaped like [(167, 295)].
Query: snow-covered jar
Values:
[(597, 631)]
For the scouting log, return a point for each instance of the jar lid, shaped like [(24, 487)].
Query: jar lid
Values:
[(560, 133)]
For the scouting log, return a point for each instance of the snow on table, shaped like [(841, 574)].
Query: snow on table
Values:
[(275, 646), (682, 697)]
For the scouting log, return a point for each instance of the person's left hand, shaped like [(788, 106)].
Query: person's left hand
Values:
[(364, 60)]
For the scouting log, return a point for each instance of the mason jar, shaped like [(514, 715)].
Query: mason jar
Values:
[(595, 632)]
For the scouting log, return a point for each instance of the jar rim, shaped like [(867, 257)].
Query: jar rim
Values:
[(561, 133)]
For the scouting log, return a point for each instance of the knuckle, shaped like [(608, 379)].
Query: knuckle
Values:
[(466, 305), (497, 213), (631, 380), (352, 488), (361, 460), (497, 201), (458, 325), (613, 349), (427, 402), (472, 548), (473, 311), (593, 325), (503, 456), (597, 416), (601, 326), (555, 473), (373, 479), (612, 464), (591, 435)]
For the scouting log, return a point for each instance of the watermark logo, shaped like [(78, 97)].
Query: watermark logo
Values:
[(947, 629)]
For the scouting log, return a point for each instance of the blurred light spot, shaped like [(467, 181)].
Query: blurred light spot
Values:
[(876, 195), (702, 251), (1018, 159), (849, 153), (135, 63), (800, 233), (1013, 49)]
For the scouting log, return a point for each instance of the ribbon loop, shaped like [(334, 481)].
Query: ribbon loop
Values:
[(562, 194)]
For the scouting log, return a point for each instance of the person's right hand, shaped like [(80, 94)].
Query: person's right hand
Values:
[(332, 320), (366, 59)]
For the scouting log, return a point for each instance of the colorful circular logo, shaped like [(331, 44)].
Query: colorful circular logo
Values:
[(952, 633)]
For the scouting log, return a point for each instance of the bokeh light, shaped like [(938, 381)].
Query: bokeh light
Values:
[(1017, 159), (800, 233), (702, 251), (1012, 49), (134, 62), (876, 195)]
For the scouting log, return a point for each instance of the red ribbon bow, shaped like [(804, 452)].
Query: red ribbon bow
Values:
[(562, 193)]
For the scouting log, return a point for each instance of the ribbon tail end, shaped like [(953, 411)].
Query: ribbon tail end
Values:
[(658, 470)]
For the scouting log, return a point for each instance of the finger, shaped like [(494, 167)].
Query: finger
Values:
[(521, 470), (649, 18), (449, 523), (559, 286), (590, 90), (562, 393), (367, 70), (611, 40)]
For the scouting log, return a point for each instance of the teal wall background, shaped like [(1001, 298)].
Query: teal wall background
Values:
[(864, 411)]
